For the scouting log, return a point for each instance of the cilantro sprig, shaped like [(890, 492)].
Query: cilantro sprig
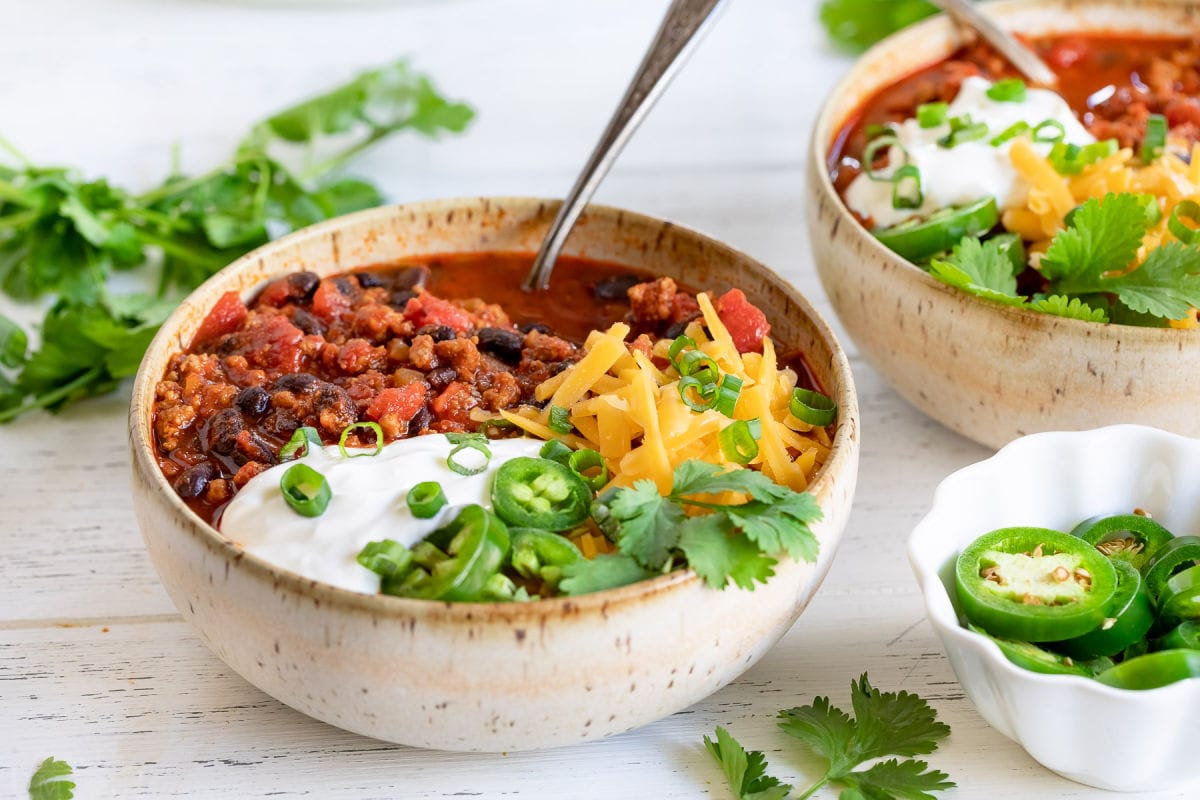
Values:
[(1087, 270), (64, 235), (722, 542), (884, 724), (50, 782)]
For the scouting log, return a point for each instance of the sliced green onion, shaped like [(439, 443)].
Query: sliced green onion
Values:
[(698, 364), (494, 425), (868, 157), (385, 558), (907, 191), (464, 442), (560, 420), (1059, 134), (554, 450), (1011, 132), (305, 490), (813, 407), (1009, 90), (426, 499), (875, 130), (1070, 159), (739, 441), (680, 344), (1188, 209), (371, 426), (1155, 140), (930, 115), (1153, 209), (305, 438), (962, 130), (707, 392), (728, 393), (583, 460)]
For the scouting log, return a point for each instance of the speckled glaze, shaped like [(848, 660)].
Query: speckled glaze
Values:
[(489, 677), (988, 371)]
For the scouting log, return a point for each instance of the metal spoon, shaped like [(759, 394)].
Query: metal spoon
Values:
[(965, 13), (676, 39)]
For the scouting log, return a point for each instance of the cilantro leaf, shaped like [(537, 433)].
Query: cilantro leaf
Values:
[(602, 572), (1104, 236), (827, 730), (1072, 308), (718, 554), (893, 723), (780, 526), (13, 343), (904, 780), (858, 24), (1166, 285), (48, 782), (980, 268), (701, 477), (649, 523), (745, 770)]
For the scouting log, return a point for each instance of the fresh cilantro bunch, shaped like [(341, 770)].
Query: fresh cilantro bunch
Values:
[(50, 782), (1086, 269), (858, 24), (720, 541), (884, 724), (63, 235)]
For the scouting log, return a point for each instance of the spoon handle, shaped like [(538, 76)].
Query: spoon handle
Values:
[(965, 13), (674, 42)]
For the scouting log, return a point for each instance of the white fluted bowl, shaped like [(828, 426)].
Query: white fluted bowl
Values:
[(1086, 731)]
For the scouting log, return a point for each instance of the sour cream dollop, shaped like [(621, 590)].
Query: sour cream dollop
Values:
[(368, 505), (953, 176)]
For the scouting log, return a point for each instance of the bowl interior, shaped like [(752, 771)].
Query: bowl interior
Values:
[(387, 234)]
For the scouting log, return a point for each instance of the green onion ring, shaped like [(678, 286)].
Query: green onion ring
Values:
[(385, 557), (555, 450), (728, 392), (931, 115), (305, 490), (426, 499), (706, 391), (907, 191), (1011, 132), (1155, 140), (1189, 209), (694, 362), (371, 426), (468, 444), (813, 407), (1048, 124), (305, 438), (1009, 90), (560, 420), (582, 460), (873, 148), (739, 441), (680, 344)]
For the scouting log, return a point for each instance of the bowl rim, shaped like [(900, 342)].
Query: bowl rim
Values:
[(939, 607), (940, 23), (843, 449)]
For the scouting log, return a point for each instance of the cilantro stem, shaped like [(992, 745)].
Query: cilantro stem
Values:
[(5, 144), (182, 253), (18, 219), (172, 188), (52, 397), (816, 786), (336, 160)]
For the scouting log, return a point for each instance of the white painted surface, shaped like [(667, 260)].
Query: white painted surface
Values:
[(95, 666)]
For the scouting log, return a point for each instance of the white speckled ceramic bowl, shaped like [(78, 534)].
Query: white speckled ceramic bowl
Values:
[(1082, 729), (492, 677), (988, 371)]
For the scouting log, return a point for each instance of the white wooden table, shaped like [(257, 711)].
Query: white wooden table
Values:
[(97, 668)]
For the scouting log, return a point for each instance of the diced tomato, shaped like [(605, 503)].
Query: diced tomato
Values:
[(272, 342), (425, 309), (684, 306), (226, 317), (1182, 111), (747, 325), (403, 402), (455, 403), (328, 303)]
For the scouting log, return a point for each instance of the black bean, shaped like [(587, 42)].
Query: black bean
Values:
[(307, 323), (503, 344), (258, 450), (676, 329), (223, 430), (252, 400), (534, 326), (337, 400), (344, 286), (400, 299), (296, 383), (615, 287), (439, 333), (281, 421), (410, 277), (194, 480), (302, 284), (441, 377), (420, 421), (369, 280)]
